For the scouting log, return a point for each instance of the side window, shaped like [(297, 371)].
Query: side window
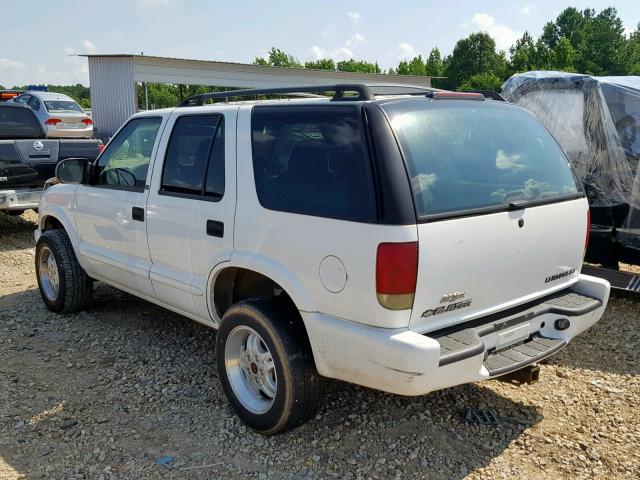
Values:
[(23, 99), (125, 161), (34, 103), (312, 161), (194, 162)]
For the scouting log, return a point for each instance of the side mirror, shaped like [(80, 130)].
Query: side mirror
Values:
[(73, 170)]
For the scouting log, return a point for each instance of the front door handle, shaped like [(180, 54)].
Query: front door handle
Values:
[(215, 228), (137, 213)]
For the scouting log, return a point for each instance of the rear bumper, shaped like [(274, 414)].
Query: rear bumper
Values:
[(408, 363), (53, 132), (20, 199)]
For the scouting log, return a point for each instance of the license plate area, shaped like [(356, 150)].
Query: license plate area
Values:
[(512, 335)]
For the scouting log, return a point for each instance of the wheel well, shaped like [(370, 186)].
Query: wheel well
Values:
[(234, 284), (51, 223)]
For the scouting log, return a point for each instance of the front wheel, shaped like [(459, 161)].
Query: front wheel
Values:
[(64, 285), (266, 366)]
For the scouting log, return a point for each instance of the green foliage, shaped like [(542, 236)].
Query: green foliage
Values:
[(473, 56), (278, 58), (416, 66), (434, 66), (482, 81), (632, 53), (564, 56), (360, 66), (323, 64), (576, 41), (587, 42)]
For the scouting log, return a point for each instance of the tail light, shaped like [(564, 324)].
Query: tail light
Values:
[(52, 121), (87, 121), (396, 274), (586, 241), (100, 147)]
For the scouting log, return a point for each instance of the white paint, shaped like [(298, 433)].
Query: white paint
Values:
[(333, 274)]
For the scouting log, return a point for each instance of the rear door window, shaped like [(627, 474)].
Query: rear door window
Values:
[(463, 157), (18, 122), (194, 162), (312, 160)]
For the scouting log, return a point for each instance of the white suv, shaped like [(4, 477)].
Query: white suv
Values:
[(407, 242)]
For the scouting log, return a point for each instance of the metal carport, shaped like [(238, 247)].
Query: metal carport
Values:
[(113, 79)]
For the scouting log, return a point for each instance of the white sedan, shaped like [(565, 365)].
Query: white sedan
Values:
[(59, 114)]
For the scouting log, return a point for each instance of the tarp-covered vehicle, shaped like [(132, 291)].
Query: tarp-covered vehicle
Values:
[(596, 120)]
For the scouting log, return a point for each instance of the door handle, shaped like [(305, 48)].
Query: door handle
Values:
[(215, 228), (137, 213)]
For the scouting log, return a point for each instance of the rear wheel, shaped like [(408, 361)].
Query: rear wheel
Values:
[(64, 285), (266, 366)]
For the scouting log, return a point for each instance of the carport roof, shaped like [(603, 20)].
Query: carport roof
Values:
[(149, 68)]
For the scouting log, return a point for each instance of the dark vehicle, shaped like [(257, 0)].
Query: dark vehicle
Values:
[(596, 120), (6, 95), (28, 158)]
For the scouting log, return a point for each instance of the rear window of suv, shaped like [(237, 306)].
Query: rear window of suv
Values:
[(312, 160), (464, 157)]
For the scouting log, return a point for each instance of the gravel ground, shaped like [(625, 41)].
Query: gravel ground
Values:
[(119, 390)]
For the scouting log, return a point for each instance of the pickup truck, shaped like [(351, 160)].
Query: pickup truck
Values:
[(28, 158), (406, 240)]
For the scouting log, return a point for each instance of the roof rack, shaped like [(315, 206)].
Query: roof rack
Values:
[(341, 91)]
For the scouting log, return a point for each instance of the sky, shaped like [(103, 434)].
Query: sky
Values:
[(41, 44)]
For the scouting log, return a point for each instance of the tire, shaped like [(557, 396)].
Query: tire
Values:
[(298, 385), (73, 289)]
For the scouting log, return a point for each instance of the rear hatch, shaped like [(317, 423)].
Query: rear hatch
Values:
[(501, 217), (66, 115)]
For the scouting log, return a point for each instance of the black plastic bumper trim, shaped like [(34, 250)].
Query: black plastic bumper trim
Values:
[(465, 341)]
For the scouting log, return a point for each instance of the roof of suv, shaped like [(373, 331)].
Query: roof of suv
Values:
[(342, 93)]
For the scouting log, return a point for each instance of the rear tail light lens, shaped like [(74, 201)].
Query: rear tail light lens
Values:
[(100, 147), (396, 274), (87, 121), (52, 121)]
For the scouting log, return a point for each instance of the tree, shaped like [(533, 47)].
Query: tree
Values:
[(278, 58), (474, 55), (632, 53), (569, 24), (564, 56), (524, 55), (603, 48), (482, 81), (597, 41), (322, 64), (415, 66), (434, 66), (360, 66)]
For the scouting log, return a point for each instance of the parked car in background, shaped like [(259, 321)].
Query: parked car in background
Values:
[(28, 158), (398, 238), (59, 114), (7, 95), (596, 120)]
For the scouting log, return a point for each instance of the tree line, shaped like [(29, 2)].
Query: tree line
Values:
[(582, 41)]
